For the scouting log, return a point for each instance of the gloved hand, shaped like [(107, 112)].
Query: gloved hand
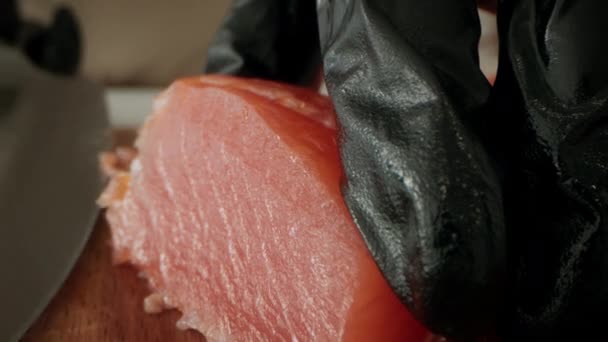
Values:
[(550, 124), (405, 80), (427, 147), (55, 48)]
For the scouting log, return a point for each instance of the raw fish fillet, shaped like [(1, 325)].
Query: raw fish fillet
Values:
[(232, 211)]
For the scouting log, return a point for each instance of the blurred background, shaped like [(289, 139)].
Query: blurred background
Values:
[(134, 47), (138, 42), (137, 47)]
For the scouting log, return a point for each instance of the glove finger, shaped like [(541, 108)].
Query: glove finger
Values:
[(270, 39), (405, 80)]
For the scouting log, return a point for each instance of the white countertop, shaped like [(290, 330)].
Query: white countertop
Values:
[(128, 107)]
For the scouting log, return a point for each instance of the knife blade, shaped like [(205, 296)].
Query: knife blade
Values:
[(51, 132)]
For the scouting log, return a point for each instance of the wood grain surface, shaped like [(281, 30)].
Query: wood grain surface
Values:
[(103, 302)]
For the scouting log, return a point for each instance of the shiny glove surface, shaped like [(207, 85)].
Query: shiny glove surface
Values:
[(550, 123), (405, 80)]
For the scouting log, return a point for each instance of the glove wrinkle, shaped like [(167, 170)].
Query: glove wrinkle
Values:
[(408, 91)]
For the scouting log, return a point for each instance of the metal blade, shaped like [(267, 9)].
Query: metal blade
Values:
[(51, 132)]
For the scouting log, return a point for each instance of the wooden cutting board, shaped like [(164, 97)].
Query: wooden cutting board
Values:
[(103, 302)]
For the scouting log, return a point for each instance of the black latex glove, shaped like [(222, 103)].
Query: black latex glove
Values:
[(55, 48), (271, 39), (551, 123), (405, 80), (416, 135)]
